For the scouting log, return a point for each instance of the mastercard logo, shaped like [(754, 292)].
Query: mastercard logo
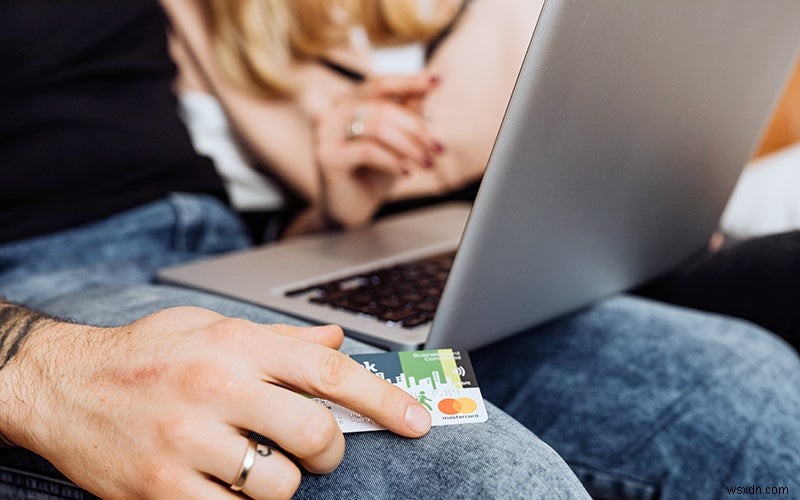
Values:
[(463, 406)]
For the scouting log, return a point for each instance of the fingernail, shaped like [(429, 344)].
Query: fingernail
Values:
[(405, 171), (418, 419), (438, 147), (435, 80), (427, 162)]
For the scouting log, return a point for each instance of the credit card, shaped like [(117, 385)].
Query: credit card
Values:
[(441, 380)]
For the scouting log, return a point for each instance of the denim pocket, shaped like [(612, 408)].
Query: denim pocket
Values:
[(605, 485), (206, 226)]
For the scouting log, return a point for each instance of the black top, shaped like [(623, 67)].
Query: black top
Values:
[(88, 121)]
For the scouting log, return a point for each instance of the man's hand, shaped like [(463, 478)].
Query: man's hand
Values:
[(160, 408)]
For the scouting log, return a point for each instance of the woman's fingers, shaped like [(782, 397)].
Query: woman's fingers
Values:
[(390, 124), (399, 87), (400, 129), (352, 156)]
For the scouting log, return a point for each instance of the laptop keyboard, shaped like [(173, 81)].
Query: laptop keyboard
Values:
[(402, 295)]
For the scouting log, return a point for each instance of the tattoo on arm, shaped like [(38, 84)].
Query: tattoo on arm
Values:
[(4, 442), (16, 324)]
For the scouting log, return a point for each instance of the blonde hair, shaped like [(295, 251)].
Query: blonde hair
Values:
[(256, 41)]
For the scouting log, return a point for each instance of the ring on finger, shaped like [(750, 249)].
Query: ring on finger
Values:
[(355, 128), (247, 464)]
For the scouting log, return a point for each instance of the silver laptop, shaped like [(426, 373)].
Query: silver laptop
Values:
[(626, 131)]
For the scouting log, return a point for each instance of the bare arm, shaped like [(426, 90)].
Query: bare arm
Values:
[(484, 52), (277, 131), (478, 65), (17, 324)]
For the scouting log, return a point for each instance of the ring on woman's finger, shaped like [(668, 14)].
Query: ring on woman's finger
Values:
[(247, 464), (355, 128)]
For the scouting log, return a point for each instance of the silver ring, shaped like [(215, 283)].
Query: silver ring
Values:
[(247, 464), (356, 127)]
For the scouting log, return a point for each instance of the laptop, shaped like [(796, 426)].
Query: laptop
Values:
[(624, 136)]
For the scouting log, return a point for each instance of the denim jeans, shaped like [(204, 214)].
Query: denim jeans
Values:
[(100, 274), (642, 400)]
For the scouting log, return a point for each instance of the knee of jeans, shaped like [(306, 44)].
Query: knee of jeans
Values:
[(206, 226), (660, 360), (503, 459), (712, 340), (496, 459)]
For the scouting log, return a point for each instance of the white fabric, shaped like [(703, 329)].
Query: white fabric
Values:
[(395, 60), (402, 60), (767, 197), (212, 136)]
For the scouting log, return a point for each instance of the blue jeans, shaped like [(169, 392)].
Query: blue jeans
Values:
[(641, 400), (100, 274)]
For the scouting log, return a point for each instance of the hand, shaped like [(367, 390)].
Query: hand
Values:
[(159, 408), (366, 141)]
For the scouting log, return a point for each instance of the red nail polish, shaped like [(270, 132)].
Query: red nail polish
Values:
[(435, 80), (438, 147), (427, 163)]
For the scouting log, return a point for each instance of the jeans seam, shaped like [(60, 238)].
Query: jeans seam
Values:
[(180, 239), (39, 478), (584, 469), (678, 405)]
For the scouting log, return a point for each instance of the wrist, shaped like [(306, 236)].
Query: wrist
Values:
[(347, 206), (27, 372)]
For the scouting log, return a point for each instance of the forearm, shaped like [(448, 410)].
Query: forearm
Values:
[(17, 326), (276, 131), (478, 64)]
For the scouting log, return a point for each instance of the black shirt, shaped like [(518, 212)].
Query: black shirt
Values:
[(88, 122)]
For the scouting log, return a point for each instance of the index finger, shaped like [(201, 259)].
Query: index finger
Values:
[(402, 86), (323, 372)]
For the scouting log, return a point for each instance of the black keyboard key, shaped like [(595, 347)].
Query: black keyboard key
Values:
[(417, 320), (427, 306), (392, 302), (407, 294), (396, 315), (412, 296), (362, 298)]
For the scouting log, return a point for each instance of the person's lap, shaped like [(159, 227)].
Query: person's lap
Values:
[(645, 400), (642, 400), (444, 463), (84, 278)]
